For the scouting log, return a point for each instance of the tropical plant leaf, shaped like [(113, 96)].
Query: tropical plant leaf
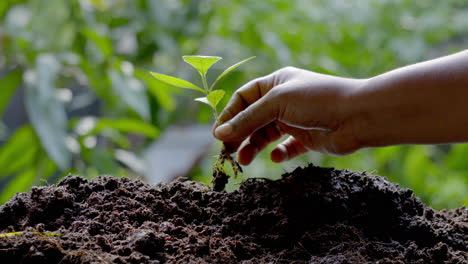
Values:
[(229, 70), (46, 112), (176, 82), (19, 151), (131, 91), (104, 44), (8, 85), (125, 125), (159, 90), (20, 183), (215, 97), (201, 63)]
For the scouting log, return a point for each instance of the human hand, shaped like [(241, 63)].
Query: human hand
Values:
[(314, 109)]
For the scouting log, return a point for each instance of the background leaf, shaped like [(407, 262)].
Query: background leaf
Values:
[(176, 82), (125, 125), (8, 85), (21, 183), (160, 90), (201, 63), (102, 43), (131, 91), (19, 151), (46, 113)]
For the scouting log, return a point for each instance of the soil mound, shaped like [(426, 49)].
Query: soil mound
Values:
[(311, 215)]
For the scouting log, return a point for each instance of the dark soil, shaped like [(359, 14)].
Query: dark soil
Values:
[(312, 215)]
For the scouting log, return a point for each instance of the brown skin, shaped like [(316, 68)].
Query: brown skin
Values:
[(424, 103)]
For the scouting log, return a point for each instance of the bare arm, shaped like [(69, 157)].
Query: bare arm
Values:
[(424, 103)]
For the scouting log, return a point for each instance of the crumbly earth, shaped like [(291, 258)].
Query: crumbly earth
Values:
[(311, 215)]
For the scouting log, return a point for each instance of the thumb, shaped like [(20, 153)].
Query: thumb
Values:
[(254, 117)]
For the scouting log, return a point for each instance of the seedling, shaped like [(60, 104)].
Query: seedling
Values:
[(212, 98)]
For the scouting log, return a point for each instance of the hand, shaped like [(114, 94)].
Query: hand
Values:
[(314, 109)]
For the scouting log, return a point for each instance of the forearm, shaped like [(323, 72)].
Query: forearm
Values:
[(425, 103)]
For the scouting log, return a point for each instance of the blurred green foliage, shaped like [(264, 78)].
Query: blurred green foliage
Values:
[(73, 56)]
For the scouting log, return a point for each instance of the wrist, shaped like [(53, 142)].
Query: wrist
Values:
[(361, 114)]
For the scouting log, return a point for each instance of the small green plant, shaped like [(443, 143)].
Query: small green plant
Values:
[(212, 98)]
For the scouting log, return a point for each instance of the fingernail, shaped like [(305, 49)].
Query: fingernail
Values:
[(223, 130)]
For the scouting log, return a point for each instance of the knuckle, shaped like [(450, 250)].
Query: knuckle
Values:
[(288, 70), (243, 118), (274, 94), (227, 114)]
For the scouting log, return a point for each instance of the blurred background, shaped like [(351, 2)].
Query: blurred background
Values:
[(76, 96)]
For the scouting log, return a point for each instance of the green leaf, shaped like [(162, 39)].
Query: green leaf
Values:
[(456, 158), (229, 70), (201, 63), (46, 112), (102, 43), (20, 183), (215, 97), (159, 90), (8, 84), (19, 151), (131, 91), (176, 81), (125, 125)]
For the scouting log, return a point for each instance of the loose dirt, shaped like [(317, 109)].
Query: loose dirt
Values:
[(312, 215)]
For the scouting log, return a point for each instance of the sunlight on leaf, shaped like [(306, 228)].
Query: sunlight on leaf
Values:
[(201, 63), (229, 70), (203, 100), (176, 82), (215, 97)]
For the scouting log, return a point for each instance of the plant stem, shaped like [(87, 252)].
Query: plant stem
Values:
[(208, 90), (205, 84), (216, 115)]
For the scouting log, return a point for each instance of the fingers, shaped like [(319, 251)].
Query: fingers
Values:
[(256, 115), (257, 142), (290, 148), (245, 96)]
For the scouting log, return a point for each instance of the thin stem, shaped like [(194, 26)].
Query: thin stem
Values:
[(208, 90), (216, 115), (205, 84)]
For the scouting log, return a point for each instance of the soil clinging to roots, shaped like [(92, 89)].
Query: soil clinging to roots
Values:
[(311, 215)]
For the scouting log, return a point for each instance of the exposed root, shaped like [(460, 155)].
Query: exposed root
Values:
[(220, 177)]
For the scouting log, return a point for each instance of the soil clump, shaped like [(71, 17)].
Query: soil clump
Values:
[(311, 215)]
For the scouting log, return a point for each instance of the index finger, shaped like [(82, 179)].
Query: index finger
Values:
[(243, 97)]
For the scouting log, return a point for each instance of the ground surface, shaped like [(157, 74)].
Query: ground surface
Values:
[(312, 215)]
